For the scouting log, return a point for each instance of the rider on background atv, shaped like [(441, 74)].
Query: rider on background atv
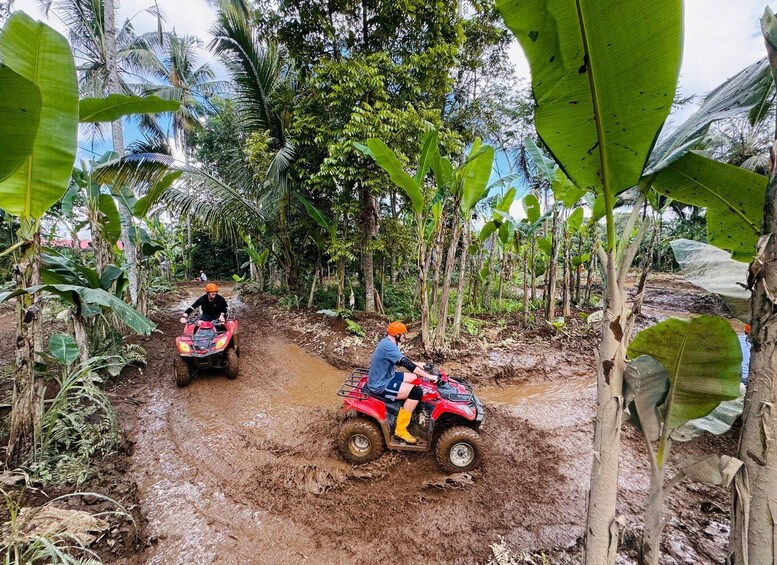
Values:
[(393, 385), (213, 305)]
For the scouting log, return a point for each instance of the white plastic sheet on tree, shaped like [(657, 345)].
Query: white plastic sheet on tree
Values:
[(715, 271)]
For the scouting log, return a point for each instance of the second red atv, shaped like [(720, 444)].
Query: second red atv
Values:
[(448, 418), (209, 346)]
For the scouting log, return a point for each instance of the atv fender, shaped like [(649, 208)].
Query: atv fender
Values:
[(466, 412), (371, 407)]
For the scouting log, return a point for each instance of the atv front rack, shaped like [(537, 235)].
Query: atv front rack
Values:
[(350, 388)]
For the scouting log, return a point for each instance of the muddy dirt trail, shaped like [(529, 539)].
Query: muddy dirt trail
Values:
[(246, 471), (229, 470)]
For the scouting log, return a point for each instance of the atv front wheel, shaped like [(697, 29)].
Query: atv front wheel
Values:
[(360, 440), (459, 449), (233, 363), (182, 372)]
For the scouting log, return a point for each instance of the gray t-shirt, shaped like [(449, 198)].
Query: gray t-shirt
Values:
[(386, 355)]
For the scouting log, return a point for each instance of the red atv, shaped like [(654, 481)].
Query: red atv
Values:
[(211, 346), (449, 413)]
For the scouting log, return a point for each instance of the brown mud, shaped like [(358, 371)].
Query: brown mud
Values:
[(247, 471)]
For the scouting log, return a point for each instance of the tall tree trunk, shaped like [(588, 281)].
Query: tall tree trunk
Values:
[(450, 260), (462, 279), (550, 296), (435, 261), (368, 224), (117, 134), (27, 389), (754, 509), (313, 287), (340, 283)]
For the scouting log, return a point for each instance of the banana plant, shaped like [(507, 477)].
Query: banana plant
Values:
[(413, 188), (41, 56), (680, 371), (601, 98)]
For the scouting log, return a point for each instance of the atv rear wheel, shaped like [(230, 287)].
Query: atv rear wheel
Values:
[(360, 440), (233, 363), (182, 372), (459, 449)]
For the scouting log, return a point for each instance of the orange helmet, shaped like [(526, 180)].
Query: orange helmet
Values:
[(748, 328), (210, 287), (396, 328)]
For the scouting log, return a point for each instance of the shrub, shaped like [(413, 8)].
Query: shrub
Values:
[(354, 328)]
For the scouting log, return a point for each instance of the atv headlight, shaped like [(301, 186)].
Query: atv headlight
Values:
[(184, 347), (221, 343)]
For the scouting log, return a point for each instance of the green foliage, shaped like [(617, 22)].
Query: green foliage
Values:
[(733, 197), (78, 425), (598, 114), (41, 55), (354, 328), (290, 301), (63, 348), (20, 104), (702, 359), (116, 106)]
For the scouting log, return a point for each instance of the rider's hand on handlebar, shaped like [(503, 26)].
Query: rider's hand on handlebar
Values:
[(184, 319)]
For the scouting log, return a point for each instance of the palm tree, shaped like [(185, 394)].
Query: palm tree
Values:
[(172, 60)]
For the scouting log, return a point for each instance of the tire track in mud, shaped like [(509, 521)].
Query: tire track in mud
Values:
[(247, 471)]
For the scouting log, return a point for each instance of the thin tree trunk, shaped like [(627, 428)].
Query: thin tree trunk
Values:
[(754, 507), (491, 252), (525, 287), (27, 390), (436, 257), (368, 217), (550, 296), (462, 279), (450, 261), (340, 283), (313, 287)]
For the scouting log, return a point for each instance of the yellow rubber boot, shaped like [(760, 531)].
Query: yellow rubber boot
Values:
[(403, 419)]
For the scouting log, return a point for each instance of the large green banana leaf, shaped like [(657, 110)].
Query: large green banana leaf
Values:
[(388, 161), (704, 361), (428, 151), (81, 296), (19, 118), (143, 204), (742, 92), (733, 197), (41, 55), (475, 176), (117, 106), (111, 222), (531, 205), (604, 74)]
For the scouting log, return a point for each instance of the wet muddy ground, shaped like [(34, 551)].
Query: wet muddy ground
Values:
[(246, 471)]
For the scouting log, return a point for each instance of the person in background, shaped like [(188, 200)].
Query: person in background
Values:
[(203, 276)]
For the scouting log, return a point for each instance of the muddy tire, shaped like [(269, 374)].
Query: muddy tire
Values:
[(181, 370), (233, 364), (360, 440), (459, 449)]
